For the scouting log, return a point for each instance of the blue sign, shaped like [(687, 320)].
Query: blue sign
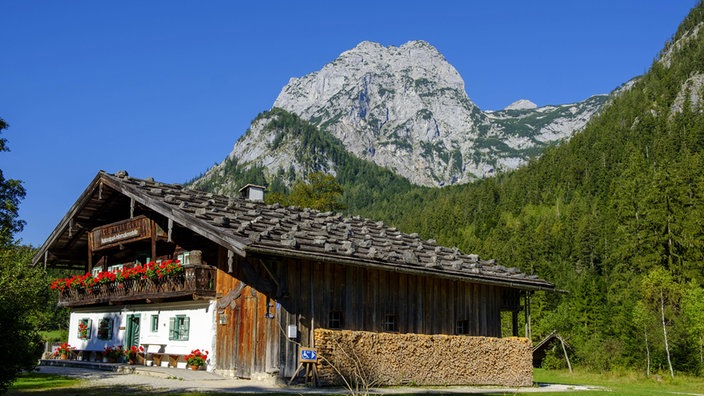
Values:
[(309, 355)]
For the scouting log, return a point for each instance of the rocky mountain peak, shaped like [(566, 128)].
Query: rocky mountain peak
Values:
[(522, 104), (405, 108)]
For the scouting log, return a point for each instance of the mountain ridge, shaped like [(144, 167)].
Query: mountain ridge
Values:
[(405, 108)]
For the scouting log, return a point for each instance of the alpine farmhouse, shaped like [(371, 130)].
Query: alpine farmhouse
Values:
[(266, 289)]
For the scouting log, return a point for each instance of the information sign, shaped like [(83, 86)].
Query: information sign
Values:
[(309, 355)]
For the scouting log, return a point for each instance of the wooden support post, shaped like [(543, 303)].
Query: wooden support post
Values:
[(153, 239), (90, 251), (131, 208), (564, 350), (312, 311), (230, 261), (46, 258), (529, 331), (311, 375), (514, 322), (171, 227)]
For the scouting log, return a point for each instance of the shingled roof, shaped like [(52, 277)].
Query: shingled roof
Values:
[(251, 227)]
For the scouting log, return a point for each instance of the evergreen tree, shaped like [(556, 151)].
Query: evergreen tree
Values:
[(20, 286)]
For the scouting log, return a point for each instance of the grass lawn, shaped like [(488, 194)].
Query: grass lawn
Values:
[(626, 383), (36, 381), (37, 384)]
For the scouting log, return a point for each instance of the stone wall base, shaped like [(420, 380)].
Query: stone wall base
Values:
[(417, 359)]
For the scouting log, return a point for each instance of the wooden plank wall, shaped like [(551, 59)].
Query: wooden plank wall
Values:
[(425, 305), (306, 293)]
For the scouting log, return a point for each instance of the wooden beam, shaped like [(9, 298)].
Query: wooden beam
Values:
[(230, 259), (564, 350), (153, 239), (171, 227), (90, 251), (529, 331), (266, 268)]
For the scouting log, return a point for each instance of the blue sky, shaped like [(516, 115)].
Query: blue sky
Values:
[(163, 89)]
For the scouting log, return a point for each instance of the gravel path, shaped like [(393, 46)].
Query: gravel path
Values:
[(161, 379)]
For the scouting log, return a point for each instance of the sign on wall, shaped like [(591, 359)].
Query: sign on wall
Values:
[(122, 232)]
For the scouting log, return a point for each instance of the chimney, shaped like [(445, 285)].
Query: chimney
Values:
[(252, 192)]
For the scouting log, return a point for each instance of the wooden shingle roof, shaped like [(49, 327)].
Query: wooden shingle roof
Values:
[(251, 227)]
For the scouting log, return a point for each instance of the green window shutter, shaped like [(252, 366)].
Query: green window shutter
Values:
[(89, 323), (186, 328), (110, 321), (172, 329)]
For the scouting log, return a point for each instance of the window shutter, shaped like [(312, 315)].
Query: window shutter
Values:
[(89, 323), (186, 328), (110, 321), (172, 329)]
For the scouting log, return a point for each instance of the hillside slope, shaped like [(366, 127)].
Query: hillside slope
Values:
[(614, 216)]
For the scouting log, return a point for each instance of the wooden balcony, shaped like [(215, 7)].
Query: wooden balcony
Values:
[(196, 281)]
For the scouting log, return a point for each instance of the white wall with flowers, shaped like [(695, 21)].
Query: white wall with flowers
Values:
[(171, 328)]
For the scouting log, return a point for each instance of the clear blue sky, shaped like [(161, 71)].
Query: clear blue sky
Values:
[(165, 88)]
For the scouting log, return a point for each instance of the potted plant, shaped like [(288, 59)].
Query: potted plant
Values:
[(196, 359), (83, 330), (111, 354), (63, 351), (132, 352)]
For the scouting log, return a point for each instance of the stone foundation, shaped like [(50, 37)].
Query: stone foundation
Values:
[(417, 359)]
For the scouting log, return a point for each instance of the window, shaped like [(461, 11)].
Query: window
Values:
[(335, 320), (462, 327), (391, 323), (155, 323), (84, 329), (184, 258), (105, 329), (116, 267), (178, 327)]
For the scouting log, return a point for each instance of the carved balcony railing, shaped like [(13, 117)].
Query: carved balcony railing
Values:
[(196, 281)]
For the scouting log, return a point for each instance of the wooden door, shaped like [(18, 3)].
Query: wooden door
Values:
[(245, 332)]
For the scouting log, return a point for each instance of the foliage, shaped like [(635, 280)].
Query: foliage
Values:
[(22, 289), (114, 352), (11, 193), (151, 270), (321, 192), (132, 352), (197, 358), (64, 349)]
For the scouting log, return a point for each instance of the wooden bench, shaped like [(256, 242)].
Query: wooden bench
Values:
[(177, 361), (158, 356), (153, 353)]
